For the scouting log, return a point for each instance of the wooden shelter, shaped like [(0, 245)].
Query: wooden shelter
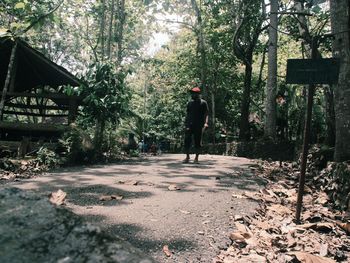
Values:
[(33, 103)]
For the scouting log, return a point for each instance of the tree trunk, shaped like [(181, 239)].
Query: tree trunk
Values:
[(341, 49), (330, 115), (98, 138), (102, 29), (110, 30), (201, 47), (120, 30), (213, 115), (244, 133), (271, 87)]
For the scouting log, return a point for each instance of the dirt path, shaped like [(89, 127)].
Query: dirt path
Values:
[(194, 221)]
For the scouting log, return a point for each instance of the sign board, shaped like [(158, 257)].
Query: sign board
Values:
[(312, 71)]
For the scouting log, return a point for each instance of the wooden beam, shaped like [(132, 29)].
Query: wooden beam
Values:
[(34, 114), (73, 109), (47, 96), (44, 107), (45, 127)]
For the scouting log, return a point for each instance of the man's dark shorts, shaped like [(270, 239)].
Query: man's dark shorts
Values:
[(196, 132)]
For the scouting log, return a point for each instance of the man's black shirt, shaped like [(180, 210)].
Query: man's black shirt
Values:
[(197, 111)]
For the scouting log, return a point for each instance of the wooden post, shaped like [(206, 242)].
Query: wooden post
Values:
[(307, 131), (73, 107), (8, 78)]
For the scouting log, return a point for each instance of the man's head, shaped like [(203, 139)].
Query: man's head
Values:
[(195, 92)]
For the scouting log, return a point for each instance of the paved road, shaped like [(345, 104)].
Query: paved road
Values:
[(194, 221)]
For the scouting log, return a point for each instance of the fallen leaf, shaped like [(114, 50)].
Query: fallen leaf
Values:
[(237, 237), (307, 190), (253, 258), (252, 196), (173, 187), (344, 226), (111, 197), (322, 227), (117, 197), (280, 209), (58, 197), (132, 182), (323, 250), (244, 235), (309, 258), (322, 198), (105, 198), (238, 196), (166, 251), (238, 217)]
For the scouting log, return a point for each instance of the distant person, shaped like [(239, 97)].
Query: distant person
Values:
[(153, 149), (196, 122), (140, 146)]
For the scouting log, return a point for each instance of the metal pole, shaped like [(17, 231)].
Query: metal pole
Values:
[(307, 129)]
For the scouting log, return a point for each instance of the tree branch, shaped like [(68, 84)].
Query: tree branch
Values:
[(42, 17), (187, 25)]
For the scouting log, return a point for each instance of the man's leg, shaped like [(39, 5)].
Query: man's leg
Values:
[(197, 142), (188, 140)]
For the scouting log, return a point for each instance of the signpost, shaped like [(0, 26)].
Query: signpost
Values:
[(310, 71)]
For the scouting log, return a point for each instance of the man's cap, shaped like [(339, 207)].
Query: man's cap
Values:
[(196, 90)]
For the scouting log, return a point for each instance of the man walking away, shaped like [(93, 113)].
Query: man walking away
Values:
[(195, 123)]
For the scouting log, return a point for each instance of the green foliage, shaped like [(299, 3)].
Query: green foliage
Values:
[(22, 14), (47, 158), (106, 97), (76, 146)]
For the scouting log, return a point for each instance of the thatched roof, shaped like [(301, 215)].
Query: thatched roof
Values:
[(33, 68)]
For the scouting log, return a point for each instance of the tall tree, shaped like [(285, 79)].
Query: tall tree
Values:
[(246, 36), (340, 10), (120, 30), (198, 29), (271, 87)]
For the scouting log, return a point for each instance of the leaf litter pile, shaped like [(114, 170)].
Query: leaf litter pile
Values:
[(14, 170), (271, 234)]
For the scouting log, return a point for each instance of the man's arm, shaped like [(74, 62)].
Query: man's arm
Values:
[(206, 121), (187, 120), (206, 115)]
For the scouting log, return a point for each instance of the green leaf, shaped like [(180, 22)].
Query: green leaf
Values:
[(316, 9), (4, 32), (20, 5)]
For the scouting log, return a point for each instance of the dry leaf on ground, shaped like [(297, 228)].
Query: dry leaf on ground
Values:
[(111, 197), (344, 226), (253, 196), (128, 182), (322, 227), (243, 235), (58, 197), (166, 251), (280, 209), (253, 258), (309, 258), (173, 187), (238, 196)]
